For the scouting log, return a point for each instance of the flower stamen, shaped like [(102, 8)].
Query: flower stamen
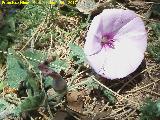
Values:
[(107, 42)]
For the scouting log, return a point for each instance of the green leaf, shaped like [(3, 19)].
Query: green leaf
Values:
[(3, 47), (155, 27), (154, 50), (33, 84), (32, 14), (3, 105), (150, 110), (16, 71), (158, 108), (3, 44), (77, 53), (110, 96), (91, 84), (11, 23), (154, 45), (59, 65), (156, 10), (6, 109), (48, 82), (32, 102), (35, 57)]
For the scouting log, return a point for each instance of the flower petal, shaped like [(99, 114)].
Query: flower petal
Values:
[(121, 61), (130, 42), (93, 44), (135, 32), (114, 19)]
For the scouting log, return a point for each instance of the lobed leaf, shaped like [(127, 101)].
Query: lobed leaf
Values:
[(32, 102), (16, 71), (77, 53), (35, 57)]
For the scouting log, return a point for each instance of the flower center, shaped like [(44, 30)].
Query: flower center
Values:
[(107, 41)]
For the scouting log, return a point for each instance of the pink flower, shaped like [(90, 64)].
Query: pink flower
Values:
[(115, 43)]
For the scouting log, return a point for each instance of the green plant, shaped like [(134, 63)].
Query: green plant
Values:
[(22, 73), (7, 35), (154, 45), (91, 85), (150, 110), (77, 53)]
